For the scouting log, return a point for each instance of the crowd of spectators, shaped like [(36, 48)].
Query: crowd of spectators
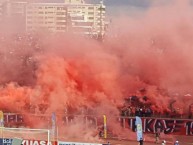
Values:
[(133, 107), (19, 50), (136, 111)]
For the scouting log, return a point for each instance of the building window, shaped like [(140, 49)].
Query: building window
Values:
[(90, 18), (61, 23), (60, 13), (29, 17), (91, 13), (60, 8), (60, 18), (40, 18), (40, 12), (60, 28), (90, 8), (50, 12)]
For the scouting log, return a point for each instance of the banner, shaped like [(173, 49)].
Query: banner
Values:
[(12, 117), (139, 131), (149, 125), (1, 119), (8, 141), (166, 126), (5, 141)]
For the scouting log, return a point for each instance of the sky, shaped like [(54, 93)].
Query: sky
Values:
[(138, 3), (131, 7), (126, 7)]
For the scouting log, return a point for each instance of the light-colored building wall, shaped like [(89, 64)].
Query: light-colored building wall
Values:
[(70, 16), (74, 1), (18, 8), (12, 8), (13, 15), (46, 17), (77, 18), (1, 8), (88, 17)]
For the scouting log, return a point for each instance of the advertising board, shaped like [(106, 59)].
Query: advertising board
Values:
[(8, 141), (77, 143)]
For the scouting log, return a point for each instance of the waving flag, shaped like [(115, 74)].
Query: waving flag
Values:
[(139, 132), (1, 119), (53, 124)]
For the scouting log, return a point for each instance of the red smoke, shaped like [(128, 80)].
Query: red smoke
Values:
[(153, 52)]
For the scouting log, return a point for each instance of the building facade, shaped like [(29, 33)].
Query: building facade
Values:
[(50, 17), (71, 16), (13, 15), (74, 1), (74, 16), (87, 18), (1, 11)]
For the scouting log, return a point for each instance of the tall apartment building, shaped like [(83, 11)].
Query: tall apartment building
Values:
[(13, 8), (13, 14), (1, 11), (71, 16), (46, 17), (87, 18), (74, 16), (74, 1)]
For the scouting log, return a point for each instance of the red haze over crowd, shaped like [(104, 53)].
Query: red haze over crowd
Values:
[(152, 52)]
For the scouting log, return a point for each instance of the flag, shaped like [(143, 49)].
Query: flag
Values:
[(53, 117), (53, 124), (105, 126), (1, 119), (138, 124)]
